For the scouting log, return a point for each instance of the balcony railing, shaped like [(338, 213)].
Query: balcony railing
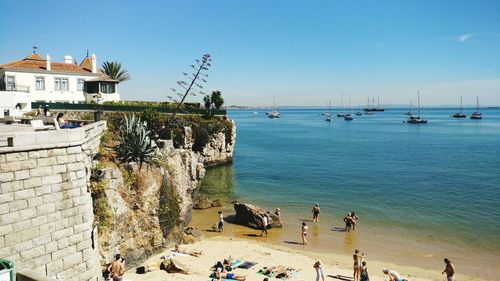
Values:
[(15, 88)]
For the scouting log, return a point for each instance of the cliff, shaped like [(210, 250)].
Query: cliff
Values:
[(142, 209)]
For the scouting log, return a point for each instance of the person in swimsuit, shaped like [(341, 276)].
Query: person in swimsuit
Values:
[(357, 264), (348, 222), (319, 271), (449, 270), (263, 217), (354, 218), (194, 253), (393, 274), (228, 275), (316, 211), (304, 233), (117, 268)]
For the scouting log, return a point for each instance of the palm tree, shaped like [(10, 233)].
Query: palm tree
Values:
[(217, 99), (115, 71)]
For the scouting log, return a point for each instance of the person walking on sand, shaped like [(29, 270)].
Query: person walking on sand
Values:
[(220, 225), (449, 270), (304, 233), (319, 271), (316, 211), (393, 274), (117, 268), (263, 217)]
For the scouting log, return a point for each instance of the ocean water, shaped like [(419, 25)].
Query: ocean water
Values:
[(432, 184)]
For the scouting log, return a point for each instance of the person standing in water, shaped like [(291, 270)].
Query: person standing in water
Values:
[(316, 211), (354, 218), (304, 233), (348, 222), (449, 270)]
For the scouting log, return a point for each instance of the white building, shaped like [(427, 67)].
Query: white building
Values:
[(47, 81)]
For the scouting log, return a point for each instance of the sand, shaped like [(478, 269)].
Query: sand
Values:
[(216, 248)]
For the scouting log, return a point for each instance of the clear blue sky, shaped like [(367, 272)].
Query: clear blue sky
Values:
[(304, 52)]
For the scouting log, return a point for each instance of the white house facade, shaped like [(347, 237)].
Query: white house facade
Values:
[(48, 81)]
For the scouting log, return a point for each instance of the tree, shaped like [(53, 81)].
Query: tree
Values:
[(115, 71), (194, 80), (217, 99), (208, 105)]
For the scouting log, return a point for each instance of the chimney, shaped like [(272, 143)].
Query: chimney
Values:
[(47, 59), (94, 63), (68, 59)]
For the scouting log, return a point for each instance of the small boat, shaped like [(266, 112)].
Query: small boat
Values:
[(341, 114), (371, 108), (460, 114), (255, 113), (416, 119), (410, 112), (476, 115), (359, 113), (328, 115), (348, 117), (274, 113)]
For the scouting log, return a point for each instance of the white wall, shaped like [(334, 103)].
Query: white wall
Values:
[(9, 100)]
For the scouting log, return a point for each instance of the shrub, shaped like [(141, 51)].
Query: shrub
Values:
[(168, 208), (135, 143)]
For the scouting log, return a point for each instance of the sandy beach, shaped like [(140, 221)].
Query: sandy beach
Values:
[(219, 247)]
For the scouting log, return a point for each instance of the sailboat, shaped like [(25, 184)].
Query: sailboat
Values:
[(359, 113), (476, 115), (415, 119), (460, 114), (410, 112), (274, 113), (367, 108), (328, 114), (341, 114), (348, 117)]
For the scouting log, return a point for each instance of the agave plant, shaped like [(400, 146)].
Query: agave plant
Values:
[(135, 143)]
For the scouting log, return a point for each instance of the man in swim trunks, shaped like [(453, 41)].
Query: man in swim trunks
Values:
[(316, 211), (449, 270), (348, 222), (393, 274), (117, 268)]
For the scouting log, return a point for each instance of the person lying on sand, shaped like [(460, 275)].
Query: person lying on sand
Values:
[(167, 265), (228, 275), (278, 271), (194, 253)]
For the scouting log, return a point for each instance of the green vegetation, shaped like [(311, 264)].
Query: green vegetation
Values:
[(135, 144), (168, 209), (217, 99), (115, 71)]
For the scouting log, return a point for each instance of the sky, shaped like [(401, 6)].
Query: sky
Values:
[(302, 52)]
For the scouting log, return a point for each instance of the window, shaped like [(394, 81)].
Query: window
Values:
[(40, 83), (81, 85), (61, 84), (107, 88), (11, 83)]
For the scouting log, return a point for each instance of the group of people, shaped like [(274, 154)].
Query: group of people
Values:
[(43, 111), (350, 221), (223, 270)]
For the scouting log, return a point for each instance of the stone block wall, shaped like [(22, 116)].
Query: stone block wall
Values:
[(46, 214)]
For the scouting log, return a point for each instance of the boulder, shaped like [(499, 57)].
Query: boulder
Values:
[(249, 215), (202, 202)]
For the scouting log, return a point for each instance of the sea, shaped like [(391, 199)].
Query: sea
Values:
[(422, 191)]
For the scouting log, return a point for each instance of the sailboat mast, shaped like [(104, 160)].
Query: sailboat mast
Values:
[(477, 102), (342, 101), (418, 96)]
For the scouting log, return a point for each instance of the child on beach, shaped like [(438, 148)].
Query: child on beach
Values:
[(364, 272), (304, 233)]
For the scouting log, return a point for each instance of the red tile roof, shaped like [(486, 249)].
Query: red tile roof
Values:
[(35, 62)]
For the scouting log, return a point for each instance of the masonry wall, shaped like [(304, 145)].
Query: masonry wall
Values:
[(46, 217)]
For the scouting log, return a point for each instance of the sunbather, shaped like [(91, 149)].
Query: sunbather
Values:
[(194, 253), (228, 275)]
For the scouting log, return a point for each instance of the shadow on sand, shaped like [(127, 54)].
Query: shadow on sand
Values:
[(338, 229), (341, 277), (293, 242)]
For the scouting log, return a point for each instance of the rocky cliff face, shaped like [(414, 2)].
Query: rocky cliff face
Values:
[(150, 206)]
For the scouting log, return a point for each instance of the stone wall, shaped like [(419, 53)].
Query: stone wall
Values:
[(46, 216)]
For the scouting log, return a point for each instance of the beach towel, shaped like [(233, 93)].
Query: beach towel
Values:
[(247, 265), (236, 263)]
